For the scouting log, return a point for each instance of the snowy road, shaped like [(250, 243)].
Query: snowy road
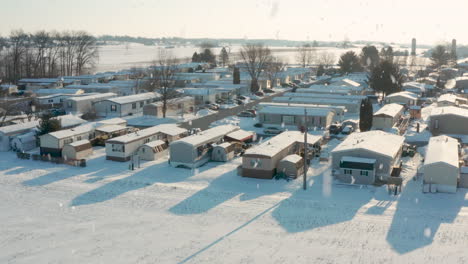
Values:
[(105, 213)]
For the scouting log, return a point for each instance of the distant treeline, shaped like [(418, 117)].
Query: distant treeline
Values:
[(46, 54)]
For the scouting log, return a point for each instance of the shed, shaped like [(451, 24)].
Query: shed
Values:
[(415, 111), (153, 150), (441, 165), (24, 142), (77, 150), (223, 152), (292, 165)]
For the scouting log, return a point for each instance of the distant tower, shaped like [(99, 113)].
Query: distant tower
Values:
[(413, 47), (454, 46)]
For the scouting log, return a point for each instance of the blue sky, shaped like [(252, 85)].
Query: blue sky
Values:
[(391, 20)]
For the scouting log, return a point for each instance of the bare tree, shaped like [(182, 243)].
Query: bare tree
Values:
[(305, 55), (163, 77), (86, 51), (274, 69), (255, 57), (326, 59)]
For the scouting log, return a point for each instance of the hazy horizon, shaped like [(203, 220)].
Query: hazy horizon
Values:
[(393, 21)]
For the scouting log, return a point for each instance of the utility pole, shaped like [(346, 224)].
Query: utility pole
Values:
[(306, 149)]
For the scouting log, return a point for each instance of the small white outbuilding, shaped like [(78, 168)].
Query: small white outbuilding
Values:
[(291, 165), (77, 150), (153, 150), (441, 165), (223, 152)]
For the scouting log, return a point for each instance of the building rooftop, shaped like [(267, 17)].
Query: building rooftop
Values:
[(442, 149), (391, 110), (208, 135), (17, 128), (297, 111), (376, 141), (133, 98), (450, 110), (408, 95)]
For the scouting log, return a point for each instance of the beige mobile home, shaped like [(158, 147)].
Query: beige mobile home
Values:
[(77, 150), (194, 151), (363, 157), (125, 105), (261, 161), (123, 147), (84, 104), (449, 120), (294, 116), (291, 165), (402, 98), (441, 165), (153, 150), (174, 107), (387, 116), (54, 142), (223, 152)]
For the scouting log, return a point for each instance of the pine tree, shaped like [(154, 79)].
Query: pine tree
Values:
[(365, 115), (195, 57), (224, 57), (48, 124), (320, 70), (236, 76), (349, 62), (386, 78)]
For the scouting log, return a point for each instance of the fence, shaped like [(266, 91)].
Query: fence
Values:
[(56, 160)]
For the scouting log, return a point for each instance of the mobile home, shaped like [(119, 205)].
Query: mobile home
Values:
[(8, 133), (53, 143), (77, 150), (124, 105), (387, 116)]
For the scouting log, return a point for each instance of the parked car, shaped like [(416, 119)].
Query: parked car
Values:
[(252, 111), (268, 91), (347, 130), (259, 94), (272, 130), (213, 106), (334, 129), (245, 114)]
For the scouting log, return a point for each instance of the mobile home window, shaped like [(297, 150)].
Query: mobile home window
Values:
[(134, 106), (142, 103), (288, 119), (50, 101), (436, 125), (256, 163), (348, 172), (364, 173), (113, 108)]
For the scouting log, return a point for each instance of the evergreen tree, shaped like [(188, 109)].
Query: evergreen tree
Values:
[(195, 57), (224, 57), (320, 70), (365, 115), (349, 62), (236, 76), (207, 56), (48, 124), (387, 54), (386, 78), (440, 56), (370, 57)]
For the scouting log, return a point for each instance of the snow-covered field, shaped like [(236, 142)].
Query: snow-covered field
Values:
[(105, 213)]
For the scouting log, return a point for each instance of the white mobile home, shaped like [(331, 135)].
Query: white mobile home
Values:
[(77, 150), (84, 104), (53, 143), (8, 89), (449, 120), (32, 84), (195, 150), (441, 165), (204, 95), (363, 157), (294, 116), (352, 106), (153, 150), (387, 116), (123, 147), (261, 161), (24, 142), (450, 100), (45, 92), (124, 105), (339, 111), (8, 133), (326, 95), (96, 88), (404, 98)]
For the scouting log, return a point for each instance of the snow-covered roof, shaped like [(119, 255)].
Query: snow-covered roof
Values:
[(312, 100), (335, 108), (153, 144), (442, 149), (112, 121), (376, 141), (133, 98), (59, 91), (90, 86), (297, 111), (293, 158), (240, 135), (417, 86), (224, 145), (357, 159), (452, 98), (147, 121), (391, 110), (201, 91), (38, 80), (174, 100), (70, 120), (326, 95), (279, 142), (93, 97), (207, 136), (450, 110), (169, 129), (79, 143), (18, 128), (408, 95), (110, 128), (86, 128)]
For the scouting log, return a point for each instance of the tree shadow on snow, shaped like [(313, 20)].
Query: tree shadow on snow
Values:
[(323, 203), (141, 179), (418, 216)]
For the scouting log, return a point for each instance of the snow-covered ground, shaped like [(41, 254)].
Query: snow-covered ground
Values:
[(105, 213)]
